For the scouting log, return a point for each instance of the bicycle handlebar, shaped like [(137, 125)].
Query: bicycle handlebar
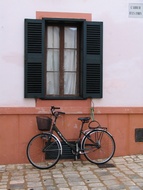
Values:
[(56, 113), (53, 107)]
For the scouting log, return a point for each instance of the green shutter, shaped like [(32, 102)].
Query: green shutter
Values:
[(34, 58), (92, 66)]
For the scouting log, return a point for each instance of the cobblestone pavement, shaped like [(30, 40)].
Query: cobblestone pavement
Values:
[(120, 173)]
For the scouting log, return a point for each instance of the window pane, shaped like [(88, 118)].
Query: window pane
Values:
[(70, 83), (53, 37), (70, 37), (53, 83), (52, 60), (70, 60)]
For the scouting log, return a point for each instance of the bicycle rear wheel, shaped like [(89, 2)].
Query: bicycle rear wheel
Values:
[(44, 151), (98, 146)]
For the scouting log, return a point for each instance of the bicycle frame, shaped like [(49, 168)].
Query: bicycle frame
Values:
[(61, 136), (75, 147)]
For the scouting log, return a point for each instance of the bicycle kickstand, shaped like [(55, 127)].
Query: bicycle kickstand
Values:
[(77, 151)]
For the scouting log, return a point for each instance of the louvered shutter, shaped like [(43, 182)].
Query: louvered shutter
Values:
[(92, 66), (34, 58)]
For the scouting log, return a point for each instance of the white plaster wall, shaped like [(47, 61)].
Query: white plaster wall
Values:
[(122, 48)]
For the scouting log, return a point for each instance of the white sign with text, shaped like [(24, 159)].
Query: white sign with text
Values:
[(136, 10)]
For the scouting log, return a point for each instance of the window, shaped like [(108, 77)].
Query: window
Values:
[(63, 59)]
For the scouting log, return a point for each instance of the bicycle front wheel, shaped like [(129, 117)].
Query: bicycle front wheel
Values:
[(44, 151), (98, 146)]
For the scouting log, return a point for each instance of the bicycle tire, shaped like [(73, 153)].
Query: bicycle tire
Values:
[(98, 146), (44, 150)]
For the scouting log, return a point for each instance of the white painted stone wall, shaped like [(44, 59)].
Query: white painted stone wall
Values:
[(122, 48)]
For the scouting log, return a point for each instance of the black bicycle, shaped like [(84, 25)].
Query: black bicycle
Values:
[(45, 149)]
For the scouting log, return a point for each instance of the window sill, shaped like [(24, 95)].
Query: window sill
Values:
[(63, 98)]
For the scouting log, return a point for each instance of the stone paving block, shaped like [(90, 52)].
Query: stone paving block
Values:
[(35, 188), (78, 183), (99, 184), (99, 188), (59, 180), (79, 188), (35, 179), (17, 181), (134, 188), (109, 177), (90, 181), (74, 179), (34, 184), (3, 187), (129, 183), (16, 186), (110, 183), (117, 187), (50, 188), (59, 186)]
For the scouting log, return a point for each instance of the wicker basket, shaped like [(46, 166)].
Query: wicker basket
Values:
[(44, 123)]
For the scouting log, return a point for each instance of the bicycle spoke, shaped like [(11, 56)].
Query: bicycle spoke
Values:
[(42, 152), (99, 146)]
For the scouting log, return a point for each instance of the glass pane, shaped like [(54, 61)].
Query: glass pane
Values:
[(70, 37), (70, 60), (53, 37), (70, 83), (52, 60), (53, 83)]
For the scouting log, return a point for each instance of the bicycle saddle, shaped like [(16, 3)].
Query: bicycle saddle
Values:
[(84, 119)]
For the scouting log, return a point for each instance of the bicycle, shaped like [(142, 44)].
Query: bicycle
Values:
[(45, 149)]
